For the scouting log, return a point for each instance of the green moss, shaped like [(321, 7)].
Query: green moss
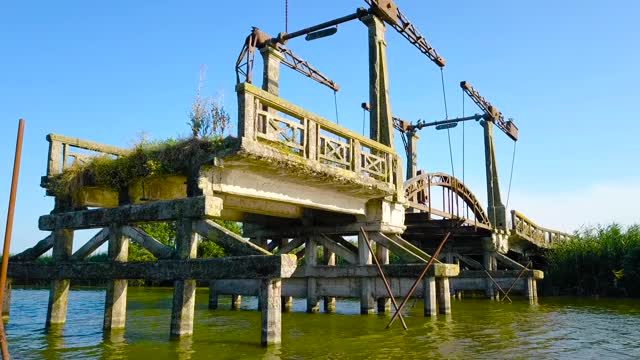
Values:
[(145, 159)]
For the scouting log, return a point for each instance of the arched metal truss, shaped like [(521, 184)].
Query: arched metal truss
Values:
[(421, 196)]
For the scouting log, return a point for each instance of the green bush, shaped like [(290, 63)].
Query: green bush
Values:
[(597, 261)]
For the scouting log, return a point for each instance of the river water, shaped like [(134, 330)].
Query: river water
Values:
[(555, 328)]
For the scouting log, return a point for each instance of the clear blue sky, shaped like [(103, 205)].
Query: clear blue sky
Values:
[(566, 71)]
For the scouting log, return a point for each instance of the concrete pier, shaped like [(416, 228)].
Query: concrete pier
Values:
[(329, 259), (444, 295), (382, 254), (59, 293), (184, 291), (115, 308), (270, 296), (429, 296), (367, 301), (311, 260)]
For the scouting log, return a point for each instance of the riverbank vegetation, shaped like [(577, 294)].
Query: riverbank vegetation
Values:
[(602, 261)]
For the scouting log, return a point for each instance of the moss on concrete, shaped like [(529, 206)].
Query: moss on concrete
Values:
[(167, 157)]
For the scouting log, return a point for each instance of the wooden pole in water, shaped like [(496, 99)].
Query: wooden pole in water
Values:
[(7, 235)]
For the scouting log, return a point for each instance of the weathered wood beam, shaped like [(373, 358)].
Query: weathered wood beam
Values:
[(35, 252), (414, 249), (469, 261), (169, 210), (292, 245), (348, 255), (508, 262), (370, 271), (155, 247), (91, 245), (404, 253), (344, 242), (230, 241), (536, 274), (242, 267)]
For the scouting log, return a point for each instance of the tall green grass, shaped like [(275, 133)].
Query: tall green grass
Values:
[(597, 261)]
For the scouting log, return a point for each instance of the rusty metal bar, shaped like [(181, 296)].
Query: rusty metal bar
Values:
[(496, 284), (7, 234), (284, 37), (384, 278), (518, 278), (415, 284)]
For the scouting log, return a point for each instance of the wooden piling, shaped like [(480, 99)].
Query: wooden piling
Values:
[(59, 293), (115, 308), (184, 291)]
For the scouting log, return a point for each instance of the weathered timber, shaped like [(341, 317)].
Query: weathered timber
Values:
[(414, 249), (233, 243), (470, 274), (469, 261), (155, 247), (59, 292), (195, 207), (346, 254), (91, 245), (395, 270), (35, 252), (115, 304), (342, 241), (402, 252), (292, 245), (508, 262), (245, 267)]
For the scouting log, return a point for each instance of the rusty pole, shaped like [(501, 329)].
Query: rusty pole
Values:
[(384, 278), (415, 284), (7, 235)]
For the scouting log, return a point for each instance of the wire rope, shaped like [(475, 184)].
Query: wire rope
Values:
[(446, 114)]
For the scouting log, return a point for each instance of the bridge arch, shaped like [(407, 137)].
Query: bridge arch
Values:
[(421, 196)]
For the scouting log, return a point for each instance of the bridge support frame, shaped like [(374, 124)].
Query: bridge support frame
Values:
[(115, 309)]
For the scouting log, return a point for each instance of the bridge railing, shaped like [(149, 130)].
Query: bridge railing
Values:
[(266, 118), (526, 228), (63, 152)]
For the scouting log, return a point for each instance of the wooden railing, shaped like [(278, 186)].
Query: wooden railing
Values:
[(62, 154), (269, 119), (526, 228)]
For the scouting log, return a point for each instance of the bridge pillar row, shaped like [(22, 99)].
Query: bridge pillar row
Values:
[(184, 291), (367, 300), (59, 293), (382, 254), (311, 260), (115, 305)]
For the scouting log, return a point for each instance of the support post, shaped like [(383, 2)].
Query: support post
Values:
[(115, 305), (213, 296), (271, 58), (236, 302), (270, 295), (367, 301), (184, 291), (311, 260), (59, 293), (430, 304), (382, 254), (444, 295), (530, 289), (412, 161), (381, 121), (330, 260), (490, 263), (287, 301), (496, 210)]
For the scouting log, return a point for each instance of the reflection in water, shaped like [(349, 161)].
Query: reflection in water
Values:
[(555, 328)]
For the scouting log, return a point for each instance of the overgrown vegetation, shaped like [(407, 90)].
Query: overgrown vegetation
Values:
[(598, 261), (208, 122)]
